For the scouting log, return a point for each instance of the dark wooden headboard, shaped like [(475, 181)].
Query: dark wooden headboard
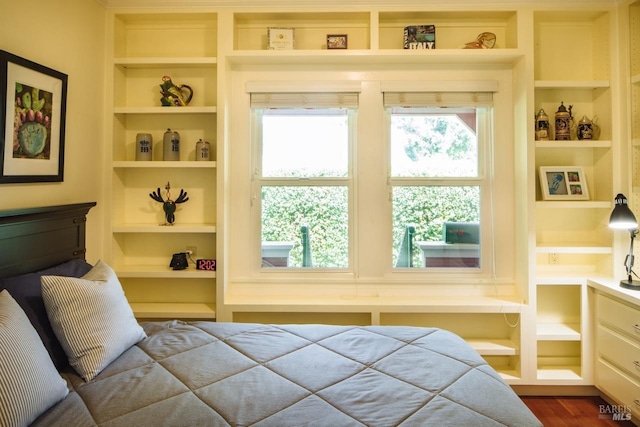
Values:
[(32, 239)]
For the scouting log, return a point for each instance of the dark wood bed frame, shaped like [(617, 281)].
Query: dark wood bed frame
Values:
[(33, 239)]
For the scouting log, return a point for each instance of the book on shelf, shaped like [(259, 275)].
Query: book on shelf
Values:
[(420, 37)]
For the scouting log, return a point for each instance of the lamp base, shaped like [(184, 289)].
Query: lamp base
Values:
[(630, 284)]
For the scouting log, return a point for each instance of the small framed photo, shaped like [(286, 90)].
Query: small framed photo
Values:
[(280, 38), (336, 41), (563, 183)]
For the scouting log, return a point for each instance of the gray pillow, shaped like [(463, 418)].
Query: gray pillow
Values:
[(91, 318), (27, 291), (30, 383)]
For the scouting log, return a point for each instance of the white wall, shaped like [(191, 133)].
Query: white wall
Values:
[(68, 36)]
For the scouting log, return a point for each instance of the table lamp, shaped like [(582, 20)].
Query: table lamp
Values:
[(623, 219)]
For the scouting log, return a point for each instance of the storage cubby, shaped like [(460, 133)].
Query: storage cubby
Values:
[(165, 35), (191, 128), (559, 361), (310, 29), (157, 295), (453, 29), (138, 85), (591, 99), (594, 156), (559, 331), (572, 45)]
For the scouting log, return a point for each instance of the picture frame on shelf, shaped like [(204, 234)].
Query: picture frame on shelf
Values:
[(32, 121), (279, 38), (336, 41), (563, 183)]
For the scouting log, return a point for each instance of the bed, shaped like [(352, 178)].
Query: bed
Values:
[(89, 362)]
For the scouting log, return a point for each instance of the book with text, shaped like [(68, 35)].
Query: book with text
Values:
[(420, 37)]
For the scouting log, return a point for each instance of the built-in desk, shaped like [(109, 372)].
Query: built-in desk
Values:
[(441, 254), (617, 333)]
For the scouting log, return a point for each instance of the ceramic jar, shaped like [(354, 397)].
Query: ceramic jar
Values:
[(171, 146), (203, 150), (144, 147)]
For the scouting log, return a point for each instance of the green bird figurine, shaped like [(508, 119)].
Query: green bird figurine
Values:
[(173, 95)]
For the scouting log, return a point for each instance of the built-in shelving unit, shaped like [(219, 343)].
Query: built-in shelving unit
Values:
[(572, 65), (146, 47), (559, 331), (555, 54)]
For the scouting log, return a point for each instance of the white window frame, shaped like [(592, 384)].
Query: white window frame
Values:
[(323, 101), (371, 270), (483, 180)]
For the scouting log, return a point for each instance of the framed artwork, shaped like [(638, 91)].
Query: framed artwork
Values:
[(563, 183), (336, 41), (32, 120), (280, 38)]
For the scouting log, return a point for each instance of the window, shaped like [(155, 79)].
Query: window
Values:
[(438, 181), (409, 200), (303, 172)]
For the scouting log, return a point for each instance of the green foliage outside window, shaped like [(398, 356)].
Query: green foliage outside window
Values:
[(285, 209)]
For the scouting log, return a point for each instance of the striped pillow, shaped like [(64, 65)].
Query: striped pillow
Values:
[(29, 382), (91, 318)]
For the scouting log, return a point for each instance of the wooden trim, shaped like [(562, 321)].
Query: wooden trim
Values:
[(36, 238)]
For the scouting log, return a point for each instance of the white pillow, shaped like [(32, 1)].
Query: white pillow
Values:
[(29, 382), (91, 318)]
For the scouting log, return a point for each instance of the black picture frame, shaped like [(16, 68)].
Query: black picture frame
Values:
[(336, 41), (32, 121)]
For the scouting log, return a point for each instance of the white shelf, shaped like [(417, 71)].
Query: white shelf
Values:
[(507, 373), (574, 144), (145, 310), (571, 204), (555, 278), (162, 164), (161, 62), (162, 272), (560, 373), (171, 229), (493, 347), (571, 84), (384, 304), (558, 332), (395, 57), (165, 110), (573, 248)]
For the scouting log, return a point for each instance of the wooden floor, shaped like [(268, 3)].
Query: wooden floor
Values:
[(572, 411)]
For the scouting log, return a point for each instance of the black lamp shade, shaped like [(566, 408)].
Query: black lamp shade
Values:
[(622, 217)]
